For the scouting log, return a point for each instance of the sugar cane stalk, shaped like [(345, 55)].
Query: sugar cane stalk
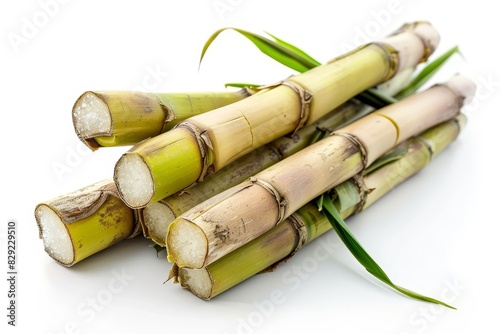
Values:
[(79, 224), (118, 118)]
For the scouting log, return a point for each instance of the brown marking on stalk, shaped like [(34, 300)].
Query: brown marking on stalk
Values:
[(244, 225), (221, 233)]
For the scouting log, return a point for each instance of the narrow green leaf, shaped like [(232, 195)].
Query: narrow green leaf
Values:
[(375, 98), (298, 60), (294, 49), (427, 73), (362, 256), (269, 47), (347, 195)]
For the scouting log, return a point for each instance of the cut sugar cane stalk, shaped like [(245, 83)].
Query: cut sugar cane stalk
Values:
[(119, 118), (175, 160), (156, 217), (227, 221), (308, 223), (82, 223)]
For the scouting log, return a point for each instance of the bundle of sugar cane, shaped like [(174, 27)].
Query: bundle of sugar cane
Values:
[(72, 226), (109, 118), (307, 223), (233, 218), (175, 160)]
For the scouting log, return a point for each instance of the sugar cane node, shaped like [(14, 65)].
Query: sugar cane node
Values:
[(358, 143), (206, 150), (300, 229), (305, 100), (280, 200), (428, 145), (363, 191), (422, 32)]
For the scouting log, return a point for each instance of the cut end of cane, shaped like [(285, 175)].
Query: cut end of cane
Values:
[(198, 281), (55, 236), (462, 86), (91, 116), (134, 181), (186, 244), (157, 218)]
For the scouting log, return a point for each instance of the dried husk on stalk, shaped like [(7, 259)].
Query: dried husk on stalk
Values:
[(79, 224), (306, 224), (213, 140), (229, 220)]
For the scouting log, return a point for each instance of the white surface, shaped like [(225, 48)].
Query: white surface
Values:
[(436, 234)]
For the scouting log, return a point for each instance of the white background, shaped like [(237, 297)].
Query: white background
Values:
[(436, 234)]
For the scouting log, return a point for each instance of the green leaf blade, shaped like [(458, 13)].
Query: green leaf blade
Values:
[(283, 55), (295, 49), (363, 257), (427, 72)]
